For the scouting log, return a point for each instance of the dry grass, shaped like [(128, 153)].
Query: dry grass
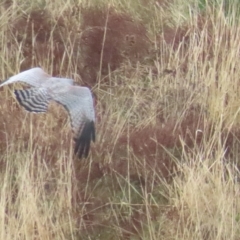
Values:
[(165, 164)]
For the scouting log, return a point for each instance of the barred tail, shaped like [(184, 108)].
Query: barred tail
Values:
[(33, 99)]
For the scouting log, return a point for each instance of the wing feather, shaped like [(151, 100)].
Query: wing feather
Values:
[(33, 99), (33, 77), (79, 104)]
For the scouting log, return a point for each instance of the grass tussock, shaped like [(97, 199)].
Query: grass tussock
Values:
[(165, 165)]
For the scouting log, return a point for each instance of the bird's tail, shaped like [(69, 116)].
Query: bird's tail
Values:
[(33, 99)]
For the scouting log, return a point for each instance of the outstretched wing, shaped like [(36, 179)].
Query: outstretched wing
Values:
[(34, 77), (79, 104)]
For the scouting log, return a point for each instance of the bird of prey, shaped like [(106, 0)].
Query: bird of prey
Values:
[(76, 100)]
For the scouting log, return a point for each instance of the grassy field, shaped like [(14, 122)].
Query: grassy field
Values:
[(165, 76)]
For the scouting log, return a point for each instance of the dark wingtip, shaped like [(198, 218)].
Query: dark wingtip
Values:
[(82, 146)]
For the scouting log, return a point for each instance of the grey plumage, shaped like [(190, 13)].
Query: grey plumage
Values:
[(76, 100)]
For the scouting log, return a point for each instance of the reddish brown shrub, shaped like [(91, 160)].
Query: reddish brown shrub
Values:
[(35, 32), (108, 38), (102, 42)]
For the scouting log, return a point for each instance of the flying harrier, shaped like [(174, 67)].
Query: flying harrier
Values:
[(75, 99)]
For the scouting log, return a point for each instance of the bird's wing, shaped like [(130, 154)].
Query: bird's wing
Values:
[(33, 77), (79, 104), (57, 82), (33, 99)]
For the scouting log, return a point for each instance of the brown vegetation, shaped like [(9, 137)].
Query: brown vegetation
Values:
[(165, 163)]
